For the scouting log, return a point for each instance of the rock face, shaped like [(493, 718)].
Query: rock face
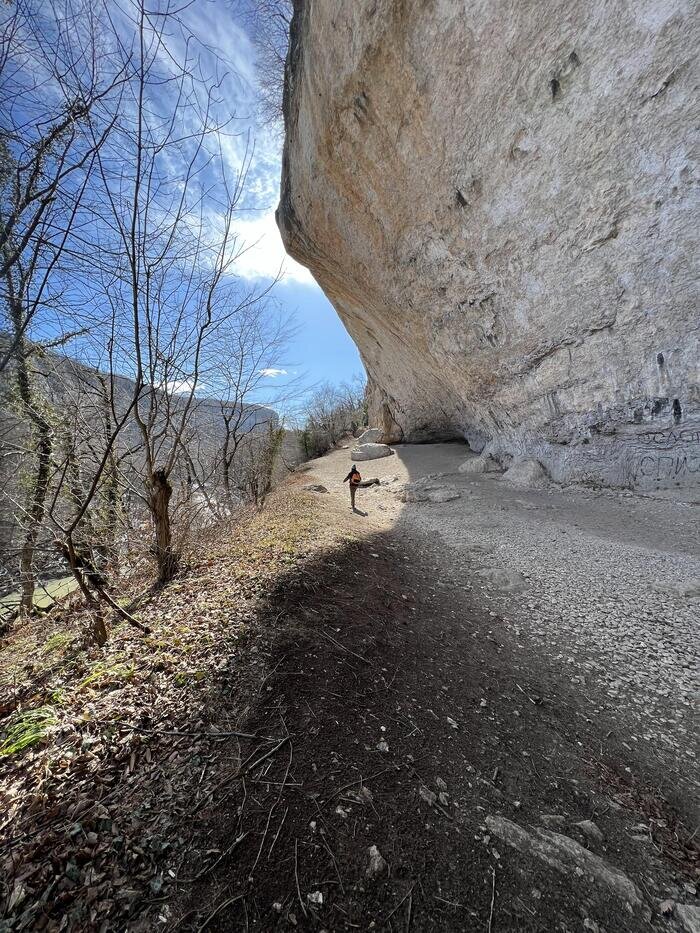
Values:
[(497, 199), (370, 436)]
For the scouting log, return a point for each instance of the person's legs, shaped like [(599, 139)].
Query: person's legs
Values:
[(353, 490)]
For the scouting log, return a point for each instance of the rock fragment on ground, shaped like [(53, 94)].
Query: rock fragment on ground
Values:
[(377, 864), (315, 487), (482, 464), (590, 830), (566, 856), (527, 473)]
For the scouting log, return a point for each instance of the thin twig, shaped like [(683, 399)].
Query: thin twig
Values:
[(403, 899), (493, 898), (279, 830), (218, 910), (267, 755), (343, 648), (296, 874), (196, 735), (358, 781), (208, 868), (534, 703), (451, 903)]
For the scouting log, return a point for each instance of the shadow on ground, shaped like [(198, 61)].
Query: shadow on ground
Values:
[(412, 723)]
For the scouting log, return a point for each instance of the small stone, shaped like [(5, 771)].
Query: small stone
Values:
[(382, 746), (553, 820), (440, 784), (315, 898), (377, 864), (590, 830), (427, 795), (452, 723)]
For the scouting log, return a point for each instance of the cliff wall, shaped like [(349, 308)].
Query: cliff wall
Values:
[(500, 200)]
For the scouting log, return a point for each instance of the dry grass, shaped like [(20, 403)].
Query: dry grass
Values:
[(88, 725)]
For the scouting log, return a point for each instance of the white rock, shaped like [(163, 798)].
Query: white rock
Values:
[(370, 452), (377, 864)]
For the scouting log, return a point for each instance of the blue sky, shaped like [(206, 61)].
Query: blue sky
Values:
[(321, 349), (212, 40)]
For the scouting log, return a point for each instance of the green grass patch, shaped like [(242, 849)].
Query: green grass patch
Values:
[(27, 729), (183, 678), (56, 642), (107, 675)]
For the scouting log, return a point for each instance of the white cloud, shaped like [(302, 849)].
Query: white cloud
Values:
[(272, 373), (262, 253), (181, 386)]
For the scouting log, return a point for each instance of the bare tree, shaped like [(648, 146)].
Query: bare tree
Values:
[(270, 24), (58, 109), (331, 412), (173, 289)]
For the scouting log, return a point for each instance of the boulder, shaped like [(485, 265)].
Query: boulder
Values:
[(370, 452), (528, 473), (482, 464), (370, 436), (315, 487)]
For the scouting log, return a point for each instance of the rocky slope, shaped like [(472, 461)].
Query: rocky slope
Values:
[(497, 199)]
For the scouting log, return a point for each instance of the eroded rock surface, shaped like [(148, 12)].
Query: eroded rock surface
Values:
[(499, 205)]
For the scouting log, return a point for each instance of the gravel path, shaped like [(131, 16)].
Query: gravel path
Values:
[(607, 584)]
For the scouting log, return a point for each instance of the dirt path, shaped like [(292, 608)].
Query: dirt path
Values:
[(495, 693)]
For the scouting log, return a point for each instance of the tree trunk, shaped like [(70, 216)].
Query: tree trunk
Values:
[(34, 509), (35, 502), (160, 492)]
